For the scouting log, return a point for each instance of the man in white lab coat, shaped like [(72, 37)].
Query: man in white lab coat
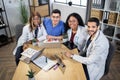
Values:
[(95, 51)]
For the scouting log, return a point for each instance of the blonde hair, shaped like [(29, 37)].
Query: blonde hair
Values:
[(31, 19)]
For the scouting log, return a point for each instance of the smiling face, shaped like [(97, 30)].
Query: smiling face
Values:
[(36, 20), (73, 23), (92, 28), (55, 17)]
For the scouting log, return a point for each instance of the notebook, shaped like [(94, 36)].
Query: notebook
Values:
[(44, 63), (30, 54)]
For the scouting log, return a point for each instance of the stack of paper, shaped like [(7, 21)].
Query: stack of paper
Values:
[(29, 52)]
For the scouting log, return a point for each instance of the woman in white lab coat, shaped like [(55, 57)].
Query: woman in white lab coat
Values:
[(33, 30), (77, 32)]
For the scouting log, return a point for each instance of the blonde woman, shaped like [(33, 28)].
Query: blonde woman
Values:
[(33, 30)]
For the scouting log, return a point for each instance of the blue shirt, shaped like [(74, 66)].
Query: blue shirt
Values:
[(58, 30)]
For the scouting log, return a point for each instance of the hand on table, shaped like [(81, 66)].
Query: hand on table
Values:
[(49, 37), (68, 54), (25, 46)]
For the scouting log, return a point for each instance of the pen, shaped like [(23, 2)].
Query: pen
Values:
[(46, 60), (56, 66)]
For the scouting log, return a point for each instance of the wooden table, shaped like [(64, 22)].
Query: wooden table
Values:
[(72, 71)]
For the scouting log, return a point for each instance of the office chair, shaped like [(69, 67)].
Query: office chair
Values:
[(18, 31), (109, 57)]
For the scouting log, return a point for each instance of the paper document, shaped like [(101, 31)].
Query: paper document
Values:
[(44, 63), (29, 52)]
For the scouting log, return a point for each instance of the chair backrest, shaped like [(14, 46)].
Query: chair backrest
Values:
[(18, 31), (109, 57)]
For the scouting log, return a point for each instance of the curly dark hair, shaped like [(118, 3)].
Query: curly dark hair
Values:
[(78, 17)]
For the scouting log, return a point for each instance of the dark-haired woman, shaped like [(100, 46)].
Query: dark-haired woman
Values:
[(76, 32)]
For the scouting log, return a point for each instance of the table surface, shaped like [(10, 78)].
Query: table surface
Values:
[(73, 70)]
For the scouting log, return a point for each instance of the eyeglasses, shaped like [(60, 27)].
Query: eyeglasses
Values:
[(56, 17), (72, 21)]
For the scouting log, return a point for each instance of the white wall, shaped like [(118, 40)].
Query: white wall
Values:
[(51, 5), (13, 13), (66, 10)]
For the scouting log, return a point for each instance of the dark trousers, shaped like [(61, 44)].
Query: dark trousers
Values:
[(86, 71), (18, 54)]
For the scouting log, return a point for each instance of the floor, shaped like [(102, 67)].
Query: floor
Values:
[(7, 64)]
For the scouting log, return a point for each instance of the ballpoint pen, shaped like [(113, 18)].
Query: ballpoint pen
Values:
[(46, 59)]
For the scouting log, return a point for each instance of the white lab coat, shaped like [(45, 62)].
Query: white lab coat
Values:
[(79, 38), (96, 56), (27, 35)]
